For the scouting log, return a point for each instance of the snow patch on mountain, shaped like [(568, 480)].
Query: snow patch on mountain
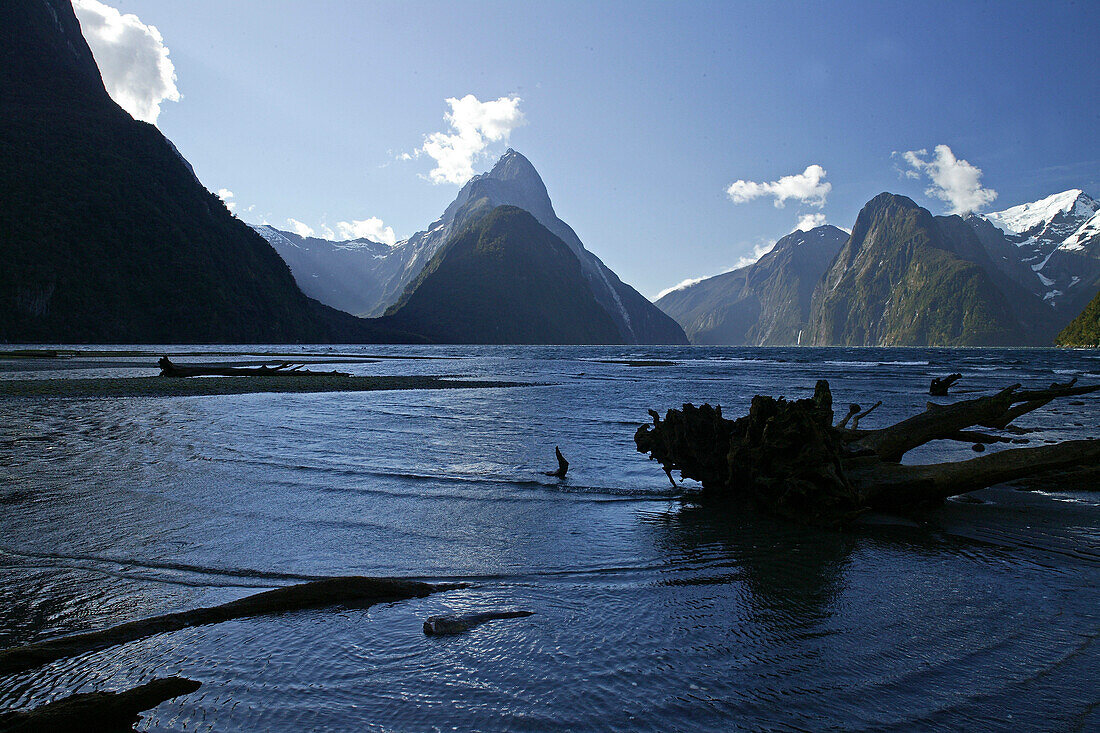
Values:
[(1039, 214)]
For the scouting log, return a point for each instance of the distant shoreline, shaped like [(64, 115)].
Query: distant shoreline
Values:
[(206, 386)]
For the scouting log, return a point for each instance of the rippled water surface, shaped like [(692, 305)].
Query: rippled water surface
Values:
[(651, 613)]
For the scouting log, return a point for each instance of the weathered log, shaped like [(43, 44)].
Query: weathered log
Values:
[(286, 369), (563, 465), (939, 387), (787, 457), (96, 712), (353, 591), (456, 624)]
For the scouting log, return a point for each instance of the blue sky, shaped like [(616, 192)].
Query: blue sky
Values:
[(639, 116)]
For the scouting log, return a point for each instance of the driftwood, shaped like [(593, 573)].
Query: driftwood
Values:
[(351, 591), (286, 369), (441, 625), (787, 458), (939, 387), (96, 712), (563, 465)]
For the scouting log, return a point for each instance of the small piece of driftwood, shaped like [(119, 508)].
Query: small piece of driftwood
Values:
[(286, 369), (563, 465), (456, 624)]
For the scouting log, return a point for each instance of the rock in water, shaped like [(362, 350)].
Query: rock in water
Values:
[(456, 624)]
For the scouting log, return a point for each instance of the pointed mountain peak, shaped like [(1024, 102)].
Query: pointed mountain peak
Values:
[(513, 166)]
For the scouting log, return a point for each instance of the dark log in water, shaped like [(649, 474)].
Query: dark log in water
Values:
[(286, 369), (441, 625), (939, 387), (350, 591), (96, 712), (563, 465), (787, 458)]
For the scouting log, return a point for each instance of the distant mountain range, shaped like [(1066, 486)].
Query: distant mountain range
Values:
[(766, 303), (366, 278), (110, 237), (906, 277)]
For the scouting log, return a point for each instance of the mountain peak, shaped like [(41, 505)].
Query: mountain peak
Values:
[(513, 166), (1019, 219)]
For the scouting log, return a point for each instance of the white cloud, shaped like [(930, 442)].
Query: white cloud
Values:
[(474, 125), (757, 252), (954, 180), (132, 59), (370, 228), (683, 284), (302, 230), (227, 196), (806, 222), (808, 187)]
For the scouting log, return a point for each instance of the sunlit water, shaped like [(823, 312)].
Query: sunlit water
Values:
[(651, 613)]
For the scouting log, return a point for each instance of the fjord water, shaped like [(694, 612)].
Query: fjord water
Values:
[(651, 613)]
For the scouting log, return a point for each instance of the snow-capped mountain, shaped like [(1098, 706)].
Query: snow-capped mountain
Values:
[(344, 275), (1056, 238)]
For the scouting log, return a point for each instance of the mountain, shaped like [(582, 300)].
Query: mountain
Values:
[(906, 278), (513, 181), (108, 236), (766, 303), (503, 278), (1054, 243), (1084, 330), (343, 274)]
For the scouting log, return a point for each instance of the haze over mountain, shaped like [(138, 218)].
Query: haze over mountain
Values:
[(108, 236), (513, 181), (766, 303)]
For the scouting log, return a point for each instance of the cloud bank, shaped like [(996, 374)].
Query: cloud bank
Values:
[(299, 228), (808, 187), (370, 228), (227, 198), (473, 126), (954, 180), (806, 222), (132, 59), (757, 252)]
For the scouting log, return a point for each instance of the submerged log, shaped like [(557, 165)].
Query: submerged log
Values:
[(563, 465), (787, 457), (939, 387), (456, 624), (286, 369), (97, 712), (351, 591)]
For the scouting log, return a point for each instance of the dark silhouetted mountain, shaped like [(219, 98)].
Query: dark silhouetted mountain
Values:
[(108, 236), (503, 279), (766, 303), (905, 278), (513, 181)]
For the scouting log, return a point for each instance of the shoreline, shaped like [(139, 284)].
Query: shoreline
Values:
[(210, 386)]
